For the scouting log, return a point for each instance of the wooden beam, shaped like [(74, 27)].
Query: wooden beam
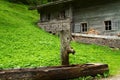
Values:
[(54, 73)]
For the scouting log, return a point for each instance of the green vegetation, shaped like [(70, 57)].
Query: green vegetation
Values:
[(23, 44), (30, 2)]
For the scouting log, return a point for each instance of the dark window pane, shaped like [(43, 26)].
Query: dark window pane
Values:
[(109, 22), (110, 28), (84, 27), (48, 16)]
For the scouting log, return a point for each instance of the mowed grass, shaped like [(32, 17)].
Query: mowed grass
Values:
[(24, 45)]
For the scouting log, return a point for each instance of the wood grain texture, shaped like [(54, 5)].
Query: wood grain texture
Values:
[(54, 73)]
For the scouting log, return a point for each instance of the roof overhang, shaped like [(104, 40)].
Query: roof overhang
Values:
[(75, 3), (50, 4)]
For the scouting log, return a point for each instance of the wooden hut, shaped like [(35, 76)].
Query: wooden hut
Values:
[(85, 18)]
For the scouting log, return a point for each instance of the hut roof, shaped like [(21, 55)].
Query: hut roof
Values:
[(74, 2), (50, 4)]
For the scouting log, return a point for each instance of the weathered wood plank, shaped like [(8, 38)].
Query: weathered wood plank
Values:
[(54, 73)]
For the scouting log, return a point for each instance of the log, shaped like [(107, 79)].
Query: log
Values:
[(54, 73)]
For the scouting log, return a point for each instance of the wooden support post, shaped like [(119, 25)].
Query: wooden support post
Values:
[(65, 46)]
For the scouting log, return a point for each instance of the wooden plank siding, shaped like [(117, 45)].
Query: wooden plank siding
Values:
[(95, 16)]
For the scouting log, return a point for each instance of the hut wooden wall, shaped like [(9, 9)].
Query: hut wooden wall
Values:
[(95, 14)]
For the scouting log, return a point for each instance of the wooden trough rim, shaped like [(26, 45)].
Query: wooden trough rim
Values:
[(54, 72), (52, 67)]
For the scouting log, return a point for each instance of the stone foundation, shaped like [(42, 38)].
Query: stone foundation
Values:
[(111, 41)]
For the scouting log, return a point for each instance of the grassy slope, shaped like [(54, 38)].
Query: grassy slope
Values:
[(22, 44)]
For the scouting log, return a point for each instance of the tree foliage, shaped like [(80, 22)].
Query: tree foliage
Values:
[(30, 2)]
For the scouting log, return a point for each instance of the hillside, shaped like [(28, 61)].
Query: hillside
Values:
[(23, 44)]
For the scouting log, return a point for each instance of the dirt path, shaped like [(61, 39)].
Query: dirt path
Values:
[(112, 78)]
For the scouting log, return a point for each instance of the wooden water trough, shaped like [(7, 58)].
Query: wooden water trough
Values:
[(54, 73)]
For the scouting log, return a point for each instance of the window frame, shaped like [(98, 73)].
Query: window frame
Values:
[(83, 27), (108, 25)]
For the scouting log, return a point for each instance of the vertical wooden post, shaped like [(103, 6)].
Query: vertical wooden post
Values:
[(65, 36), (65, 46)]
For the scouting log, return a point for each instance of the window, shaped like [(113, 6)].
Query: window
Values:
[(108, 25), (48, 17), (62, 15), (45, 17), (83, 27)]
